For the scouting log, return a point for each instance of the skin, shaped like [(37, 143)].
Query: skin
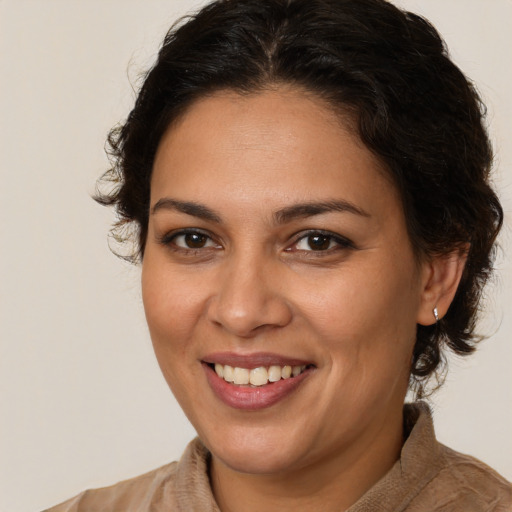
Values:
[(256, 285)]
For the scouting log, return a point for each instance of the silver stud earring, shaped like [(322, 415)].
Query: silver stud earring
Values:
[(436, 314)]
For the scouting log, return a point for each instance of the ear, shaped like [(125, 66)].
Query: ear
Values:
[(441, 278)]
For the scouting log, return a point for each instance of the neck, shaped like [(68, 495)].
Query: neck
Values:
[(330, 484)]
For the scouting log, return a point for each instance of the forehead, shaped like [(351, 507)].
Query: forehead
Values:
[(256, 121), (266, 146)]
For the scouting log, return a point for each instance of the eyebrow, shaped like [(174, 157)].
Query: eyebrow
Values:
[(188, 207), (282, 216), (310, 209)]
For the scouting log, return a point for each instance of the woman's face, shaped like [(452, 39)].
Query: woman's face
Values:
[(275, 240)]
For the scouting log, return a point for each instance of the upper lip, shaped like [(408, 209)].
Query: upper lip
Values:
[(254, 360)]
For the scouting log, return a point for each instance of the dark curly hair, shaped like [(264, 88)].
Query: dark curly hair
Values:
[(390, 70)]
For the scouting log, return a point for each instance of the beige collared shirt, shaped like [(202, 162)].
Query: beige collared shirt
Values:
[(428, 477)]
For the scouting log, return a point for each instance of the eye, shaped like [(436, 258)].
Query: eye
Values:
[(189, 239), (319, 241)]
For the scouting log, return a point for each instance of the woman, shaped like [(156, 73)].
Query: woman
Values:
[(309, 186)]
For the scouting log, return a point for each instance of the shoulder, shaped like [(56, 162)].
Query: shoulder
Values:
[(135, 494), (474, 481), (463, 483), (178, 486), (432, 477)]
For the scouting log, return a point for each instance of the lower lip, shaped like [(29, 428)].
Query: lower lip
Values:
[(253, 398)]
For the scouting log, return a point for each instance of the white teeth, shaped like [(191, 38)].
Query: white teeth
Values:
[(241, 376), (274, 373), (257, 376), (228, 373)]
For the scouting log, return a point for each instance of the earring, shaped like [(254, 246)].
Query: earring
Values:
[(436, 314)]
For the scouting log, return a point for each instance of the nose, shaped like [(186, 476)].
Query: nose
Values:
[(249, 298)]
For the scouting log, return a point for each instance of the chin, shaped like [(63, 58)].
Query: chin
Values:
[(255, 453), (262, 463)]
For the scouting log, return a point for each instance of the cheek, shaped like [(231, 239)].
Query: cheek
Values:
[(171, 310), (172, 304), (364, 315)]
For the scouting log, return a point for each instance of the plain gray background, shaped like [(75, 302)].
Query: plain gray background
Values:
[(82, 400)]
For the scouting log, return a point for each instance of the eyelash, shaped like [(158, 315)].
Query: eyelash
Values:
[(340, 241), (169, 239)]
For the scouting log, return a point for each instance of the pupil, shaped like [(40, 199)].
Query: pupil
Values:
[(195, 240), (319, 242)]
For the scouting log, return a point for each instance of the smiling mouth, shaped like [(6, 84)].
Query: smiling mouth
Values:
[(256, 381), (257, 377)]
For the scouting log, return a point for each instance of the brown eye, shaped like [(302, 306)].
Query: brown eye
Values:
[(319, 242), (190, 240), (195, 240)]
